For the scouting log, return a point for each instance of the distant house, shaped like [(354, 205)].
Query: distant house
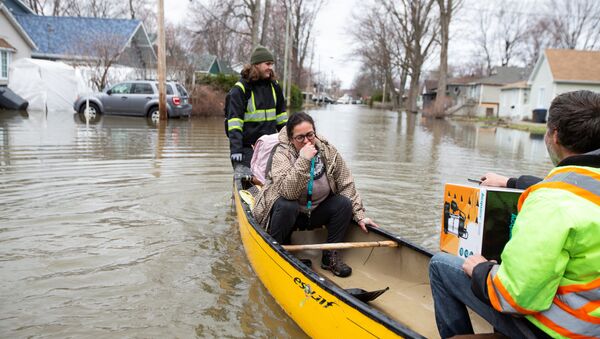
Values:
[(561, 70), (514, 101), (208, 64), (484, 93), (14, 42)]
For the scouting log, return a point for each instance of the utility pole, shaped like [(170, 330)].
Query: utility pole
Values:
[(162, 95), (286, 53)]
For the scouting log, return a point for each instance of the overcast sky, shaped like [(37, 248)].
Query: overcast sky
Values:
[(334, 44)]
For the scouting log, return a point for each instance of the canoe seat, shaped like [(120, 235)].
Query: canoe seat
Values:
[(481, 336)]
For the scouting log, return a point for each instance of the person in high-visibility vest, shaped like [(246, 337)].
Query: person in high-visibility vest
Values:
[(548, 281), (255, 106)]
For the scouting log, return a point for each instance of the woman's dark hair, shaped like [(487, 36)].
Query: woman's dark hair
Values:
[(576, 117), (295, 120), (251, 73)]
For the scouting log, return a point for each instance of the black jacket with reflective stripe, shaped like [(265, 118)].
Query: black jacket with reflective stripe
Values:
[(236, 104)]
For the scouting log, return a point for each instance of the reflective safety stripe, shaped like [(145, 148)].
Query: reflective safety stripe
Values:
[(570, 326), (235, 123), (581, 182), (501, 300), (282, 118), (260, 115), (240, 85), (257, 115)]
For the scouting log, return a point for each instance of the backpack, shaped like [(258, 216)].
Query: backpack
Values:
[(262, 158)]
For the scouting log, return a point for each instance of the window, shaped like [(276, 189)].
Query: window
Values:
[(121, 89), (168, 86), (181, 90), (142, 88), (4, 60)]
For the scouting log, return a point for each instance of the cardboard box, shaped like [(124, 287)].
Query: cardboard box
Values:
[(477, 220)]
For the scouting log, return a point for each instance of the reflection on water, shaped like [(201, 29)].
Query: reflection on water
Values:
[(123, 228)]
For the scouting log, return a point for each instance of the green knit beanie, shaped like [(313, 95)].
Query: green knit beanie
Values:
[(261, 54)]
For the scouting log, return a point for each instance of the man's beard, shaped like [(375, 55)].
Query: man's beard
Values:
[(267, 75)]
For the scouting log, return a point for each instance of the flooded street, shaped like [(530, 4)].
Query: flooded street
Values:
[(125, 229)]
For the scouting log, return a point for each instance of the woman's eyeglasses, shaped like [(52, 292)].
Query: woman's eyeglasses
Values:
[(300, 138)]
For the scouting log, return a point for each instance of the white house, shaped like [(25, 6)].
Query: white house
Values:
[(14, 42), (514, 101), (563, 70)]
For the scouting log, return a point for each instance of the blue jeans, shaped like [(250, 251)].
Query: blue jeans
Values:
[(451, 290)]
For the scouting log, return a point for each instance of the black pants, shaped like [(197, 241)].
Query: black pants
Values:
[(335, 213)]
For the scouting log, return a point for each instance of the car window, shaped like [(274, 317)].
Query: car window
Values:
[(169, 89), (142, 88), (124, 88), (181, 90)]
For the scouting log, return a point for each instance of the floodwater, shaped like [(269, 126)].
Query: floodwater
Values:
[(120, 228)]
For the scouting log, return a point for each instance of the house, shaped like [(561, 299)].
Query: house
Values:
[(562, 70), (484, 93), (456, 90), (84, 41), (514, 101), (14, 42), (209, 64)]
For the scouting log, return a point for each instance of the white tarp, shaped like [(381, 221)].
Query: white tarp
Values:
[(47, 85)]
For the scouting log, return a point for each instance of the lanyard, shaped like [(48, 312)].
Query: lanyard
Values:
[(310, 185)]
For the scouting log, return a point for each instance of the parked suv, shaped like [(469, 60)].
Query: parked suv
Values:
[(139, 97)]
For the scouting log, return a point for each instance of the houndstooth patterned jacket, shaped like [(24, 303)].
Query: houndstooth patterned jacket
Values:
[(290, 173)]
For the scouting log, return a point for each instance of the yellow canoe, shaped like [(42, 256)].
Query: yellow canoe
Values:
[(320, 303)]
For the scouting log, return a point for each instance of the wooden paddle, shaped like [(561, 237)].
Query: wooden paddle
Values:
[(340, 245)]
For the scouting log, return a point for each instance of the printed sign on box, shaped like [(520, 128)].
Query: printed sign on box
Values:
[(477, 220)]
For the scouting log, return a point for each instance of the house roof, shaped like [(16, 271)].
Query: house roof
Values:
[(76, 36), (504, 75), (574, 66), (204, 62)]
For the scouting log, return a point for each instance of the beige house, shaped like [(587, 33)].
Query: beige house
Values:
[(514, 101), (563, 70), (14, 42), (481, 97)]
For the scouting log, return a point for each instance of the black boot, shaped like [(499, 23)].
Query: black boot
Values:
[(332, 261)]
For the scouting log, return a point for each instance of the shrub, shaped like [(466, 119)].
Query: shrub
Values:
[(222, 82), (207, 101), (296, 100)]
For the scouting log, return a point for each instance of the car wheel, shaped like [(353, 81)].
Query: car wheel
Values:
[(93, 112), (154, 114)]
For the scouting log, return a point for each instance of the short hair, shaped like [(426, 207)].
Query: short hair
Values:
[(296, 119), (576, 117), (250, 73)]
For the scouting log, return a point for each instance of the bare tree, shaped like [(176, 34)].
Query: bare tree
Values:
[(418, 30), (446, 7), (98, 55), (575, 23)]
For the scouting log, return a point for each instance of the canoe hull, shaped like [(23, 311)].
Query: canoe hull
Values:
[(307, 298)]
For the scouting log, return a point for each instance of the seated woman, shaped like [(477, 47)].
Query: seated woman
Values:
[(310, 186)]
